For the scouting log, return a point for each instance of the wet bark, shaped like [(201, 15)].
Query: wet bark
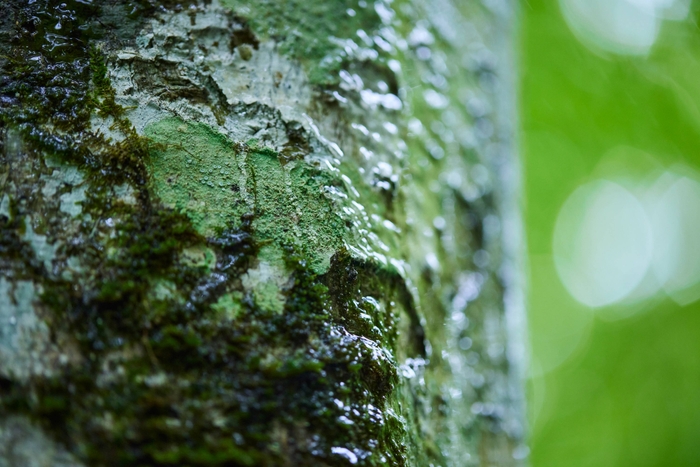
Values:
[(259, 233)]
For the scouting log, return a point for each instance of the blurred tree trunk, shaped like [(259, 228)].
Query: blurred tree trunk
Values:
[(259, 233)]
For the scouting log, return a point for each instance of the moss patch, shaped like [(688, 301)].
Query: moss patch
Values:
[(217, 182), (196, 172)]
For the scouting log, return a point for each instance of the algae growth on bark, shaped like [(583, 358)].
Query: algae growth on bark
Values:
[(258, 233)]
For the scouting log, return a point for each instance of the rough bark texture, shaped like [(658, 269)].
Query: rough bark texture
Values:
[(258, 232)]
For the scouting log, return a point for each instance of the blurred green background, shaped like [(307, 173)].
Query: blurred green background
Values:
[(620, 385)]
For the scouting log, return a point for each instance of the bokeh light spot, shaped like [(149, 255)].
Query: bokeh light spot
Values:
[(676, 224), (602, 243), (627, 27)]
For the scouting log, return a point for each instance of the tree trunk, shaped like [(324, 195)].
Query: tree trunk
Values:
[(258, 233)]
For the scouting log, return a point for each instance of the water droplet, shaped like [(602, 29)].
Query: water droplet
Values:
[(465, 343), (423, 53), (434, 99), (346, 453), (439, 222)]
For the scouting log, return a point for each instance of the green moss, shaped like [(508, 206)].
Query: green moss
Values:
[(215, 182), (196, 171), (225, 453), (229, 305), (312, 32), (200, 257), (291, 209), (103, 95), (267, 296)]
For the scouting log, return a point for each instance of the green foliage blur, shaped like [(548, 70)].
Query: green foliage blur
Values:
[(605, 392)]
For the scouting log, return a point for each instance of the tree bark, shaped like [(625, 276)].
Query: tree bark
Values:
[(263, 232)]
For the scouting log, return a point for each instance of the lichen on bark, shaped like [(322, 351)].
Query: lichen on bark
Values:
[(258, 233)]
